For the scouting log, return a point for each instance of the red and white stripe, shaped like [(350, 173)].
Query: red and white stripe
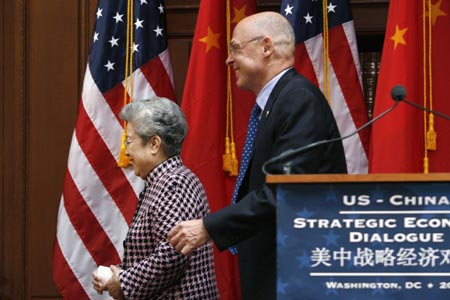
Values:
[(99, 198), (346, 91)]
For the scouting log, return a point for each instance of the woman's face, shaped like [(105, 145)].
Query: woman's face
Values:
[(141, 155)]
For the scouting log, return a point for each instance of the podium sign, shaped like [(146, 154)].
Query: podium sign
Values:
[(363, 237)]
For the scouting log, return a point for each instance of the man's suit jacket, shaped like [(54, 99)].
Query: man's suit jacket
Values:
[(295, 115)]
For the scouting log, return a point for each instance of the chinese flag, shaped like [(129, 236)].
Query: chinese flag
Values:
[(415, 55), (212, 116)]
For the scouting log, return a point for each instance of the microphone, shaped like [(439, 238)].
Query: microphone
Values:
[(291, 153), (398, 93)]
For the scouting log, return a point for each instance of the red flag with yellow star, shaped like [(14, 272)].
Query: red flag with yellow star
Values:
[(217, 113), (415, 55)]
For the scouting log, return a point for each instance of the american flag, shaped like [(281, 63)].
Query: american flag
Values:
[(344, 83), (99, 198)]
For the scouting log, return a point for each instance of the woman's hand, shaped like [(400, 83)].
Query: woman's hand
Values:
[(112, 286)]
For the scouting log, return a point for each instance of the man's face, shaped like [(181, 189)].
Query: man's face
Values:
[(246, 59)]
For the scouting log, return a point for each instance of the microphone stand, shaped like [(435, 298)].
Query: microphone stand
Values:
[(289, 154), (398, 93), (426, 109)]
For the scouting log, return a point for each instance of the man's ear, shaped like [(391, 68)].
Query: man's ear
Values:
[(268, 46)]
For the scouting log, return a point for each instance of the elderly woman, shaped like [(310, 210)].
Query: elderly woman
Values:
[(151, 268)]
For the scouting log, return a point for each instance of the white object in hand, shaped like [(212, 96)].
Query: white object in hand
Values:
[(104, 273)]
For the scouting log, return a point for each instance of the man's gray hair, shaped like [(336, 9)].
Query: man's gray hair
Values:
[(157, 116), (278, 28)]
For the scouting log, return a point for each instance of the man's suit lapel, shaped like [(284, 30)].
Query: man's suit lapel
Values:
[(265, 115), (270, 103)]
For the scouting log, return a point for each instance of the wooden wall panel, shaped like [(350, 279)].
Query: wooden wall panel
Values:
[(2, 156), (370, 18), (13, 135), (179, 52), (180, 25), (53, 89)]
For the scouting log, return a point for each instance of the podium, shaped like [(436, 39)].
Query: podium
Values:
[(363, 237)]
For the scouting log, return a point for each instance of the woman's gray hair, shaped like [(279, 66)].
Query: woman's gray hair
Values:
[(157, 116)]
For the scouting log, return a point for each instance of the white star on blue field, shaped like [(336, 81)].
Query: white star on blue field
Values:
[(331, 238)]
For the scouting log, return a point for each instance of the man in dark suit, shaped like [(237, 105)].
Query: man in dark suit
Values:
[(294, 113)]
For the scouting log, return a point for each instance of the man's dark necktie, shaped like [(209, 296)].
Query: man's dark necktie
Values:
[(251, 133)]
